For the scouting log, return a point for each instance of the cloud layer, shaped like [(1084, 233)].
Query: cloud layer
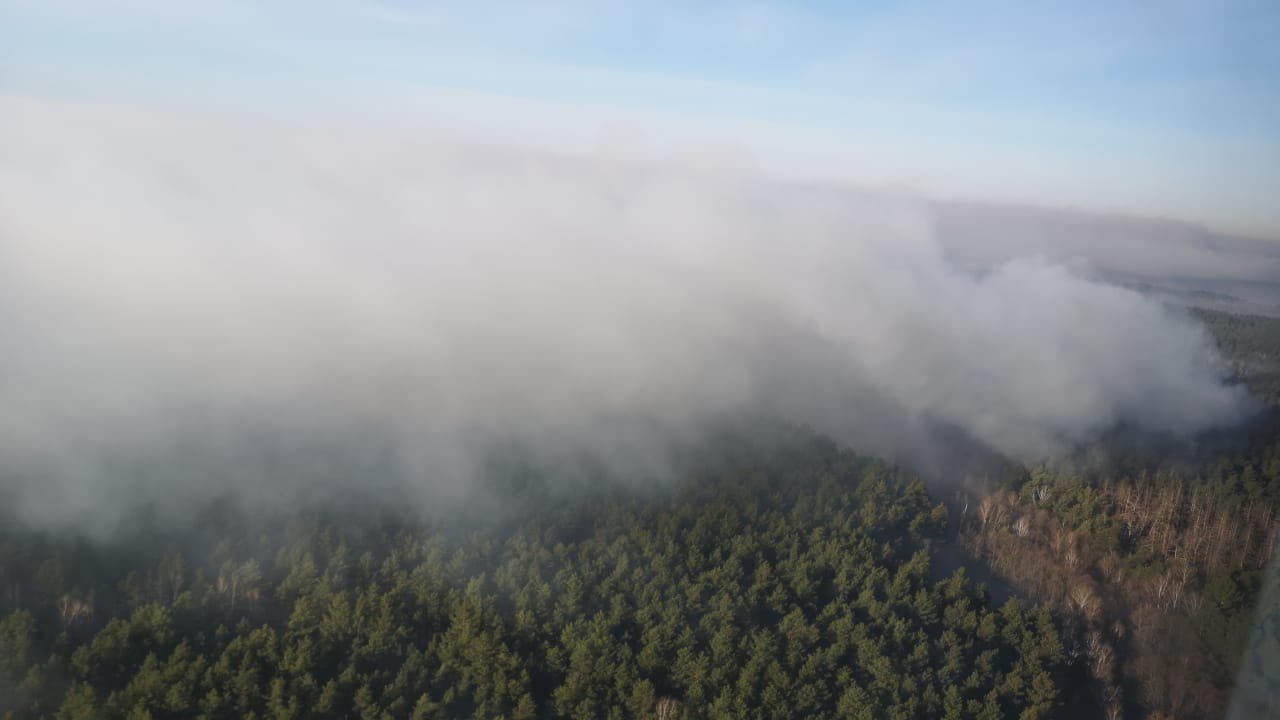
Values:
[(195, 303)]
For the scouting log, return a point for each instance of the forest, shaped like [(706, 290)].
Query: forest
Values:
[(439, 360), (796, 583), (1155, 556), (788, 579)]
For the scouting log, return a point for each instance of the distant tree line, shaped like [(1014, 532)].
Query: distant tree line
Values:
[(1251, 346)]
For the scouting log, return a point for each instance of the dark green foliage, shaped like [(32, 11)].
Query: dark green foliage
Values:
[(793, 585)]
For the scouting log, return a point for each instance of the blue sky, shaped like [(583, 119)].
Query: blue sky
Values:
[(1159, 108)]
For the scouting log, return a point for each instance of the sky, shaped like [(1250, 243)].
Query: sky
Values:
[(1166, 109)]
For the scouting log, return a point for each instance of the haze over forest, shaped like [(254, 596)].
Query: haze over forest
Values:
[(385, 359), (434, 297)]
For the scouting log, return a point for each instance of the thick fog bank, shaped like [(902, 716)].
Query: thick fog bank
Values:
[(193, 305)]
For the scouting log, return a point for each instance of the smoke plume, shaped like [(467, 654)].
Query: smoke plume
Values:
[(190, 304)]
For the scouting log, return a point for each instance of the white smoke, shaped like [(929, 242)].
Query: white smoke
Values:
[(189, 289)]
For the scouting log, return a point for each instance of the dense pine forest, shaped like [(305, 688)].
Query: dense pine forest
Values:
[(798, 581), (795, 585)]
